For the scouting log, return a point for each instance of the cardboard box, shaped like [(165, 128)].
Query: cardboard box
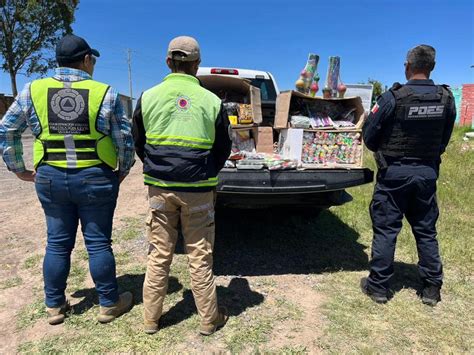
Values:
[(264, 140), (262, 136), (233, 89), (287, 102), (294, 141)]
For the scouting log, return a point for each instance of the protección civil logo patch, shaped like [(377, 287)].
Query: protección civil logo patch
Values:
[(183, 103), (68, 111)]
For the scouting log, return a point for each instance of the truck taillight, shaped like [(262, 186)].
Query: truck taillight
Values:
[(224, 71)]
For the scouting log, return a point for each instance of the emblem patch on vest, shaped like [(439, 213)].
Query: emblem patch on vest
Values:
[(183, 103), (425, 112), (68, 111)]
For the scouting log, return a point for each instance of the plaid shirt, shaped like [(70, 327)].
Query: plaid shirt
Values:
[(21, 114)]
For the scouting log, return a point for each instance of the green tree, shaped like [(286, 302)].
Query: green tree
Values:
[(377, 91), (29, 32)]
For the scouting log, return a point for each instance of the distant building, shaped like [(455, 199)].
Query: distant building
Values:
[(464, 97), (5, 102)]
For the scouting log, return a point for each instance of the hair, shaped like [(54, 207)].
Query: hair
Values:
[(178, 65), (74, 65), (421, 58)]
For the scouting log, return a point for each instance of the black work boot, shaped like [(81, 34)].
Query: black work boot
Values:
[(374, 296), (431, 295)]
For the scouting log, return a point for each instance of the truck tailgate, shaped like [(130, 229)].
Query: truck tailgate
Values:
[(265, 181)]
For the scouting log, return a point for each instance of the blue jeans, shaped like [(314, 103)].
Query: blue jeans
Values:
[(68, 196)]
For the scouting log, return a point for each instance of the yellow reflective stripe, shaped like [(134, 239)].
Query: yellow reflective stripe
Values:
[(179, 144), (62, 150), (163, 183), (79, 163), (179, 141), (184, 138)]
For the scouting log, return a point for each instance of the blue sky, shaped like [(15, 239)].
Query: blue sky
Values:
[(371, 37)]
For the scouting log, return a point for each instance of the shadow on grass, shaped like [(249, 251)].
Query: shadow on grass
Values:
[(236, 297), (269, 242), (128, 282), (405, 276)]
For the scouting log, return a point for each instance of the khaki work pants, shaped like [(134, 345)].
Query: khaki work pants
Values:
[(196, 212)]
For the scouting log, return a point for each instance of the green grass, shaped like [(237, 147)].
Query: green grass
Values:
[(11, 282), (293, 350), (331, 253), (288, 309), (248, 334), (32, 261), (133, 228), (30, 314), (81, 254)]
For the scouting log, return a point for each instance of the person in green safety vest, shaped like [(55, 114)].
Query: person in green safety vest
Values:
[(181, 135), (83, 149)]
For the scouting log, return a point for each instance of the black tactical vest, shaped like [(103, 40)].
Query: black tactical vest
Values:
[(417, 128)]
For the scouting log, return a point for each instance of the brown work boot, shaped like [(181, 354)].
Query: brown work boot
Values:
[(219, 322), (124, 304), (56, 315), (151, 327)]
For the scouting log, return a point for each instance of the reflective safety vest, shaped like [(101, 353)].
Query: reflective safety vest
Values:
[(179, 118), (418, 126), (67, 113)]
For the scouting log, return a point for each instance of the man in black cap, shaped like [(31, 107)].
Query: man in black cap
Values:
[(83, 149), (409, 128)]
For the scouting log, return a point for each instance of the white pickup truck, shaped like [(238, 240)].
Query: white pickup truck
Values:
[(319, 188)]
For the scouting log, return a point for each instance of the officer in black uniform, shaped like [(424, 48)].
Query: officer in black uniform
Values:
[(408, 129)]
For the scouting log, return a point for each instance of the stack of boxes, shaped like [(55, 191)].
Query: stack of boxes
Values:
[(313, 132), (335, 145)]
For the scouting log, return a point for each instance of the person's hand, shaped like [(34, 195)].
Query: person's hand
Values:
[(27, 175)]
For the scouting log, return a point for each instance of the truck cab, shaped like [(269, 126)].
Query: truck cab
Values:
[(313, 189), (258, 78)]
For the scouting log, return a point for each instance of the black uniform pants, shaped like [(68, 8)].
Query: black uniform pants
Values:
[(404, 189)]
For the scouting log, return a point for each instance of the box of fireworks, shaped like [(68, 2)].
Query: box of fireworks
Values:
[(271, 161), (243, 141), (247, 140), (298, 110), (322, 148), (332, 149), (241, 100)]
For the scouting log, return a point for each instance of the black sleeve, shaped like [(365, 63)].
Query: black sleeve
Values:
[(449, 125), (138, 130), (375, 124), (222, 143)]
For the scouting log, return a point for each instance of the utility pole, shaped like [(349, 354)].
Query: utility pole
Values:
[(129, 61)]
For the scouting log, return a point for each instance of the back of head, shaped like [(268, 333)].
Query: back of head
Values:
[(184, 55), (71, 51), (421, 59)]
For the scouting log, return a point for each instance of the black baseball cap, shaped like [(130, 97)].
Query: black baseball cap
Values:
[(73, 48)]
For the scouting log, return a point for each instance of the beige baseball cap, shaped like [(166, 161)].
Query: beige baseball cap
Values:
[(187, 45)]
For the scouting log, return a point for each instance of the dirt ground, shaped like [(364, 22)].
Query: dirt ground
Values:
[(289, 280), (23, 236)]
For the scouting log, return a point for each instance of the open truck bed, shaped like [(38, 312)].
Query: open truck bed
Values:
[(313, 188)]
